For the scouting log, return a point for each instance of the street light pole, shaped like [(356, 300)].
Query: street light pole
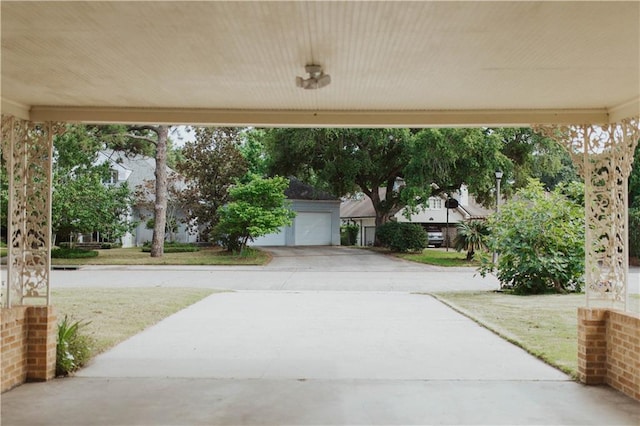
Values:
[(499, 175)]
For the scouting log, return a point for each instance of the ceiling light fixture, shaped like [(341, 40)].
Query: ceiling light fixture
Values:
[(317, 78)]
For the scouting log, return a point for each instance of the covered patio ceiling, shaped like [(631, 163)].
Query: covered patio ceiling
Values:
[(391, 63)]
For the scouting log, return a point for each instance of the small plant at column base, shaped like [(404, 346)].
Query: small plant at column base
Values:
[(73, 349)]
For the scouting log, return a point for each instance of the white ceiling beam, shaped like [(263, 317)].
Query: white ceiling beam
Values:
[(297, 118)]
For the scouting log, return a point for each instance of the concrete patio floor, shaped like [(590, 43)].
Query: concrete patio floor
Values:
[(305, 358), (320, 336)]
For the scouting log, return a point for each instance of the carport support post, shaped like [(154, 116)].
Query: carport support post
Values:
[(603, 155), (28, 148)]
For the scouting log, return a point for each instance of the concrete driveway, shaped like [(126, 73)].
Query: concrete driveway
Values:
[(314, 352)]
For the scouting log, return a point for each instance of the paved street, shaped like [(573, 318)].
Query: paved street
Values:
[(320, 336), (295, 268)]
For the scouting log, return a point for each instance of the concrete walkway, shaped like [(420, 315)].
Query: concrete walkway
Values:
[(378, 356)]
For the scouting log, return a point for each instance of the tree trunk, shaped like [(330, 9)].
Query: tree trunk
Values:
[(160, 205), (383, 215)]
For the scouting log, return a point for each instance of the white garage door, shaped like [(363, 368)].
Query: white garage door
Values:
[(313, 229)]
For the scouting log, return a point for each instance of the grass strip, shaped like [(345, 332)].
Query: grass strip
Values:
[(439, 257), (543, 325), (134, 256), (117, 314), (546, 326)]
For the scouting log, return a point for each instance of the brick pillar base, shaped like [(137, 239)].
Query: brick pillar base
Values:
[(592, 346), (41, 343)]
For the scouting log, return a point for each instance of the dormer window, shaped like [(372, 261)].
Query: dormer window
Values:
[(112, 179), (435, 203)]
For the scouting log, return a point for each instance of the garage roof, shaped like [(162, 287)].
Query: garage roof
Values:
[(391, 63)]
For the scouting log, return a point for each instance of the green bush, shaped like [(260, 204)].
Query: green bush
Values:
[(349, 234), (540, 240), (402, 236), (73, 349), (108, 246), (634, 232), (72, 253)]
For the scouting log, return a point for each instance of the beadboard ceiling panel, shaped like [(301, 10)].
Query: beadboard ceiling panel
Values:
[(384, 58)]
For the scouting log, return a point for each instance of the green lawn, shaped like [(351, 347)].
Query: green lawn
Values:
[(134, 256), (117, 314), (544, 325), (439, 257)]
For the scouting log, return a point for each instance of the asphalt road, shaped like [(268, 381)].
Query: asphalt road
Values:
[(292, 268)]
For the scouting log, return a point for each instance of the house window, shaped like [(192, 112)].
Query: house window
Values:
[(112, 179), (435, 203)]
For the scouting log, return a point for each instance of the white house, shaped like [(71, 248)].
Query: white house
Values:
[(359, 210), (136, 171)]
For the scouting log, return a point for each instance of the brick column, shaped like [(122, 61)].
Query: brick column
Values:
[(41, 343), (623, 353), (592, 346)]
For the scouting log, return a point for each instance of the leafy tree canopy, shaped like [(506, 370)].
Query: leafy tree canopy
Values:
[(82, 202), (253, 150), (212, 163), (409, 164), (535, 156)]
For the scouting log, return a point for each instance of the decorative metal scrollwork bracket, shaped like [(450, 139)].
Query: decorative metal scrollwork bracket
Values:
[(603, 155), (27, 150)]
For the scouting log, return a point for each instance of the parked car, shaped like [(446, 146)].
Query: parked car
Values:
[(435, 237)]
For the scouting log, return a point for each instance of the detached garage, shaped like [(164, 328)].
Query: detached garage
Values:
[(317, 221)]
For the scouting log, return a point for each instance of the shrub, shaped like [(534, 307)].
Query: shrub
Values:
[(109, 246), (72, 253), (402, 236), (258, 207), (540, 240), (349, 234), (73, 349)]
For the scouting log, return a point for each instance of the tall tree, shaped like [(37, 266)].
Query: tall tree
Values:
[(408, 165), (146, 139), (212, 163)]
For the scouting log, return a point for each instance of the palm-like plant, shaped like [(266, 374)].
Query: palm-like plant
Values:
[(471, 237)]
